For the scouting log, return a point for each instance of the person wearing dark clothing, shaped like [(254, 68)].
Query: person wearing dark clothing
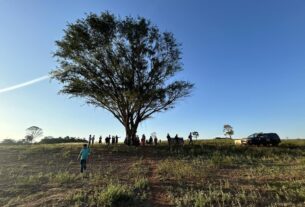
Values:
[(90, 138), (100, 140), (116, 139), (107, 140), (168, 139), (150, 140), (143, 139), (176, 139), (137, 141), (191, 138), (156, 140)]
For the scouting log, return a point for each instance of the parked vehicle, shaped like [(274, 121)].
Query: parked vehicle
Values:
[(262, 139)]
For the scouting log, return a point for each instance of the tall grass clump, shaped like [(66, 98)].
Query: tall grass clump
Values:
[(138, 169), (217, 197), (65, 178), (141, 184), (115, 194), (33, 180), (176, 169)]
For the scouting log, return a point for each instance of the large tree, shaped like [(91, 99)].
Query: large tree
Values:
[(124, 65)]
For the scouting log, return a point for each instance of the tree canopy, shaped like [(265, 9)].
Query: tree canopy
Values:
[(32, 133), (124, 65), (228, 130)]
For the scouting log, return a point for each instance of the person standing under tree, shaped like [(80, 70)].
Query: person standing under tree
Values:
[(143, 140), (168, 139), (89, 141), (156, 140), (93, 138), (83, 156), (150, 140), (191, 138)]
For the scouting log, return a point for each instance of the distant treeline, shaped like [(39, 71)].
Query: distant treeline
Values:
[(12, 141), (67, 139), (46, 140)]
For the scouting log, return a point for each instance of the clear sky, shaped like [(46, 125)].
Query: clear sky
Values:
[(246, 58)]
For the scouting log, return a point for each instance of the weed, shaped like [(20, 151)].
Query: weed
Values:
[(141, 184), (115, 194), (65, 178)]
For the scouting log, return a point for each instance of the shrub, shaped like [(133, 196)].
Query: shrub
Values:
[(115, 194), (77, 198), (141, 184)]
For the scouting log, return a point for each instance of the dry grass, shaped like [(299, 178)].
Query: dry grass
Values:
[(210, 173)]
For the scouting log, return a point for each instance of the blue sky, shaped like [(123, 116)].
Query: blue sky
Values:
[(246, 58)]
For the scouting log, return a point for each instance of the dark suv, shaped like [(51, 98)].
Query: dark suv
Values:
[(262, 139)]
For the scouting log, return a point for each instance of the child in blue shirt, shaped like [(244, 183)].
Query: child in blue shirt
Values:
[(83, 156)]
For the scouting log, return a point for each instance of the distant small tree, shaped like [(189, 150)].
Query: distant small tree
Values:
[(32, 133), (228, 130), (195, 134)]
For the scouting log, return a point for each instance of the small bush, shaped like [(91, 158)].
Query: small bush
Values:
[(115, 194), (77, 198), (141, 184)]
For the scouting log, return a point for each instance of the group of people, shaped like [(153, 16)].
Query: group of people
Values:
[(113, 139), (85, 151), (179, 140), (136, 140), (150, 141), (108, 140)]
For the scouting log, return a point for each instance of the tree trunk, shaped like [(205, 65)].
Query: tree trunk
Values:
[(131, 133)]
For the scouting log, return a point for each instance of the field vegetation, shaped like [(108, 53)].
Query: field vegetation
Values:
[(208, 173)]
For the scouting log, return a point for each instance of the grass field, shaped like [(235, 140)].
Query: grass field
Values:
[(209, 173)]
